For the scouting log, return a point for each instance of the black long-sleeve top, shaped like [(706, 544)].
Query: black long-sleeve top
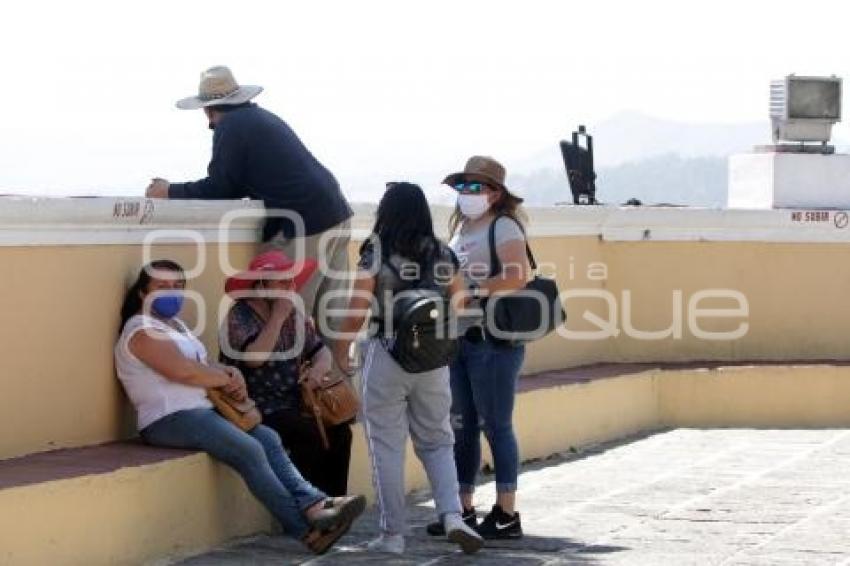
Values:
[(257, 155)]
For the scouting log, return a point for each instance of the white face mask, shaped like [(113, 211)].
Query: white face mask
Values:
[(473, 206)]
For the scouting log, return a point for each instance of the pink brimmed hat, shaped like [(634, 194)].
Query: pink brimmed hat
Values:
[(271, 262)]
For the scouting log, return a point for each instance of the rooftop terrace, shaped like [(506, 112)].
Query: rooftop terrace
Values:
[(643, 351), (677, 497)]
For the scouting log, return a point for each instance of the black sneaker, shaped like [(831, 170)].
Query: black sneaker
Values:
[(436, 529), (499, 525)]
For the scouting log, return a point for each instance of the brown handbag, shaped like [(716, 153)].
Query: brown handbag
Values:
[(331, 403), (243, 414)]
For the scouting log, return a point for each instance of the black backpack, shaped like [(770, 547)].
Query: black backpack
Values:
[(422, 336)]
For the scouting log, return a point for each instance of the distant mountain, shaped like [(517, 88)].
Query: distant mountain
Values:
[(648, 158), (637, 156), (632, 136), (672, 179)]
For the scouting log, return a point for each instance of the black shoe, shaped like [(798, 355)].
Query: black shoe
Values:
[(436, 529), (499, 525)]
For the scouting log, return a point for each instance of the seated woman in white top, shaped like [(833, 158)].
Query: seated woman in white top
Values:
[(165, 373)]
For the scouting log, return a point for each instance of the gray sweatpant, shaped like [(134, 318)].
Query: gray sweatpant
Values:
[(393, 403)]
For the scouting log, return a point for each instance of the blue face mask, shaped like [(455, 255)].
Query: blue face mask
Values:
[(167, 306)]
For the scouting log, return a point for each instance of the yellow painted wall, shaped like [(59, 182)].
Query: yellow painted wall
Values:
[(60, 315), (128, 516), (60, 310), (190, 503), (555, 419), (758, 396), (568, 260), (796, 294)]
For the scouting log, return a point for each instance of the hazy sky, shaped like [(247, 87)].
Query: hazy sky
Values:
[(379, 90)]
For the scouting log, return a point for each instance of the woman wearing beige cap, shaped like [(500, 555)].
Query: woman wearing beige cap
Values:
[(489, 240)]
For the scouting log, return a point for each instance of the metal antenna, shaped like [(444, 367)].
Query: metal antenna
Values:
[(578, 162)]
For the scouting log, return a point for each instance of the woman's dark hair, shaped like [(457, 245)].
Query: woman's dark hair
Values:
[(404, 226), (133, 300)]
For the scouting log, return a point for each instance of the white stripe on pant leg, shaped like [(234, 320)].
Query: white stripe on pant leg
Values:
[(367, 365)]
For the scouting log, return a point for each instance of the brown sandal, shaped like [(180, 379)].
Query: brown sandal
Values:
[(336, 511), (319, 542)]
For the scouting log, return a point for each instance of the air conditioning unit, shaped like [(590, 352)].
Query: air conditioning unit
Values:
[(803, 109)]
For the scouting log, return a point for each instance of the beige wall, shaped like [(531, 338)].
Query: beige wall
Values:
[(129, 516), (60, 315), (60, 296), (60, 309), (757, 396), (188, 504), (797, 296)]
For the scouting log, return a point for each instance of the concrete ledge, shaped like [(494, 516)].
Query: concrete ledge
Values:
[(723, 394), (126, 503), (90, 460), (760, 396), (593, 372), (119, 504), (34, 221)]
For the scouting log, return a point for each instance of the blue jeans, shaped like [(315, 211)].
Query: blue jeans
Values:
[(257, 456), (484, 378)]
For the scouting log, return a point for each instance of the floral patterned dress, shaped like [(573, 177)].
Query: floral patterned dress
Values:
[(273, 385)]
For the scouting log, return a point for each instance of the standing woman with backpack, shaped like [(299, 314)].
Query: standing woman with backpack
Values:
[(403, 259), (487, 229)]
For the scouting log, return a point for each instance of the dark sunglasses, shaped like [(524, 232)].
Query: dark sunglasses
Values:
[(473, 187)]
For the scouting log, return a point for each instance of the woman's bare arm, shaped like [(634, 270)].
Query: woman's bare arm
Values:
[(363, 291), (157, 351), (321, 365), (515, 269), (458, 294)]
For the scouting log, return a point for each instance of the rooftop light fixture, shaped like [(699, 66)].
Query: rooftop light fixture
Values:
[(803, 109)]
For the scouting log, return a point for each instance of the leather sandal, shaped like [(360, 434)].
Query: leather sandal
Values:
[(337, 510), (319, 542)]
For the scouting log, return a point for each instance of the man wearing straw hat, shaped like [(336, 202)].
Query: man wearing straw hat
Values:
[(256, 155)]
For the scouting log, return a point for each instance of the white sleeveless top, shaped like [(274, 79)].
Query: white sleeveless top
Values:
[(153, 395)]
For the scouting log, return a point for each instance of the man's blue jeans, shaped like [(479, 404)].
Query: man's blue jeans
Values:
[(484, 378), (258, 456)]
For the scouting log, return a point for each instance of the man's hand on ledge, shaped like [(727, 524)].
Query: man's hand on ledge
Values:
[(157, 189)]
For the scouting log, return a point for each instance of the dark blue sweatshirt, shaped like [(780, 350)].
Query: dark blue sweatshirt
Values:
[(257, 155)]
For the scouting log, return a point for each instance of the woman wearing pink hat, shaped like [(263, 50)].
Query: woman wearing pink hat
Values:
[(267, 336)]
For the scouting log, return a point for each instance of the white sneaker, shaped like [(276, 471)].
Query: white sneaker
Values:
[(459, 532), (393, 544)]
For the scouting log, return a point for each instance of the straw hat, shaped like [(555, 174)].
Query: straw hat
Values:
[(218, 86)]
